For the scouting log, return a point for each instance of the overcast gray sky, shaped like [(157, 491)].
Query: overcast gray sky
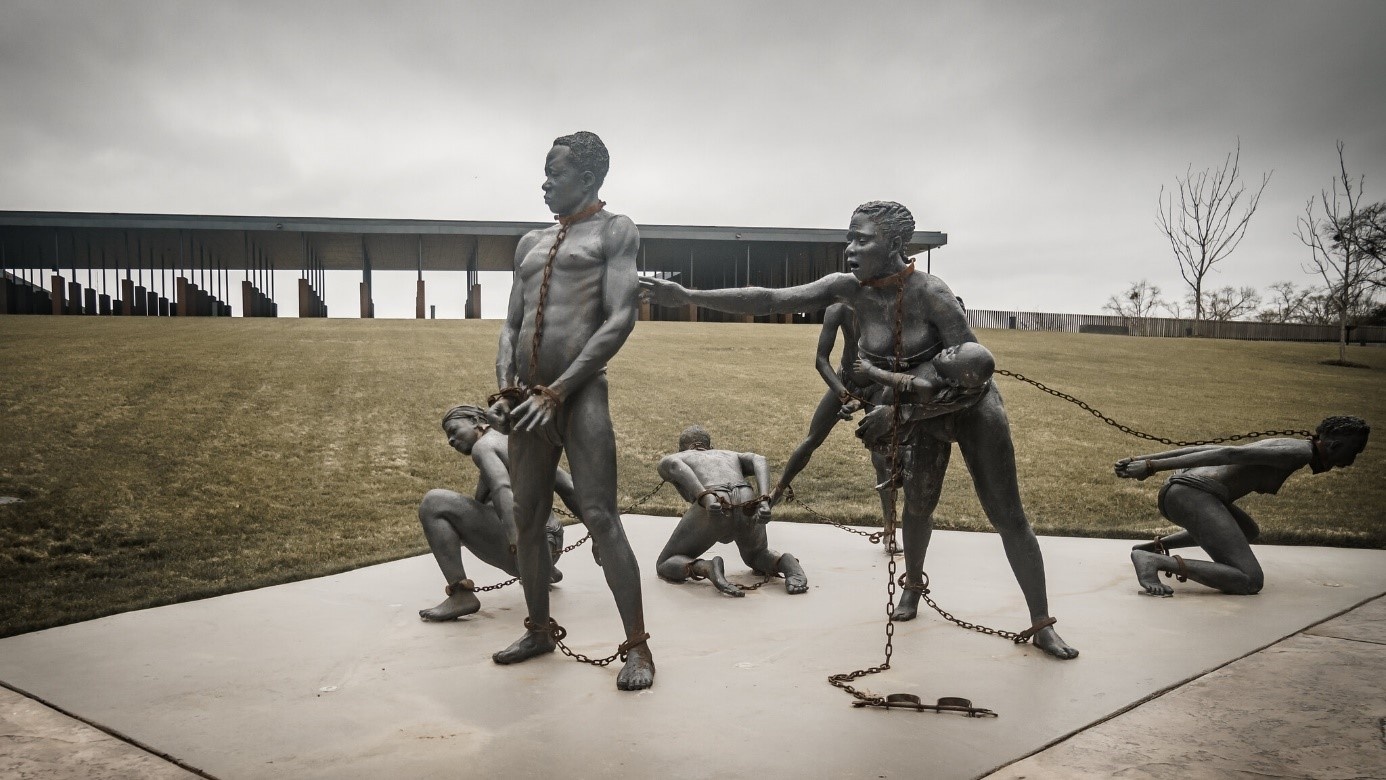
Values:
[(1037, 135)]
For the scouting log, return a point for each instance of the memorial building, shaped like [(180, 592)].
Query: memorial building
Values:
[(188, 265)]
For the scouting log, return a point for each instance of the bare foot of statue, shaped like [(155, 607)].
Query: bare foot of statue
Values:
[(638, 673), (1048, 640), (526, 647), (795, 583), (908, 607), (716, 573), (1148, 573), (459, 604)]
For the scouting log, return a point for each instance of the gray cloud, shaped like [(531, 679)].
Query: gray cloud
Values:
[(1036, 135)]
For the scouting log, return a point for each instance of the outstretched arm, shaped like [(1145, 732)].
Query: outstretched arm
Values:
[(755, 300), (1281, 453)]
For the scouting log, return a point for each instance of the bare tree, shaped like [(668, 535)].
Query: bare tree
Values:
[(1229, 303), (1176, 311), (1336, 247), (1203, 222), (1301, 305), (1318, 309), (1135, 305), (1285, 303), (1369, 240), (1174, 308)]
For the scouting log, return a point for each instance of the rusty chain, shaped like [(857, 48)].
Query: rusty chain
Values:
[(559, 633), (1140, 434), (514, 580), (923, 590), (844, 681), (790, 497), (641, 501), (539, 310), (726, 503), (555, 630), (766, 578), (895, 415), (626, 510), (579, 542), (497, 586), (563, 224)]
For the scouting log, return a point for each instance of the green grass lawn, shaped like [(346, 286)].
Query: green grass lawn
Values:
[(164, 460)]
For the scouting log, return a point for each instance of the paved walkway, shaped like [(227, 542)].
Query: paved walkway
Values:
[(1311, 706), (336, 677)]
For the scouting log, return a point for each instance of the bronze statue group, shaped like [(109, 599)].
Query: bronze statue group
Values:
[(910, 362)]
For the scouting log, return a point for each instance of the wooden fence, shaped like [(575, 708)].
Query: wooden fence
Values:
[(1162, 326)]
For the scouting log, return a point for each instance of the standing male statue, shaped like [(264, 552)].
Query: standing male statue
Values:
[(572, 305), (886, 293)]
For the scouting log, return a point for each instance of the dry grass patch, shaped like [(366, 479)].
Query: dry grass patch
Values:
[(163, 460)]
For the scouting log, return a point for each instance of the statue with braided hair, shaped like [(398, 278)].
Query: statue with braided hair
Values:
[(723, 507), (1201, 496), (572, 305), (904, 319), (485, 522)]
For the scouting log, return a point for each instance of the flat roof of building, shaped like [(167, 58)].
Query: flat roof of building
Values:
[(340, 243)]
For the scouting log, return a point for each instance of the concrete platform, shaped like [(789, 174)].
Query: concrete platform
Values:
[(337, 677), (1312, 706), (37, 741)]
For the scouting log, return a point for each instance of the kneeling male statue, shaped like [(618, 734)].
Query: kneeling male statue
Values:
[(722, 508), (484, 523), (1201, 498)]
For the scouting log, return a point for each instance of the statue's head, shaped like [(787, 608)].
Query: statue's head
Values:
[(464, 425), (695, 437), (1342, 439), (968, 364), (876, 238), (574, 171)]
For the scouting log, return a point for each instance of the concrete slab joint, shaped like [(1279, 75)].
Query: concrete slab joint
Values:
[(337, 677)]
